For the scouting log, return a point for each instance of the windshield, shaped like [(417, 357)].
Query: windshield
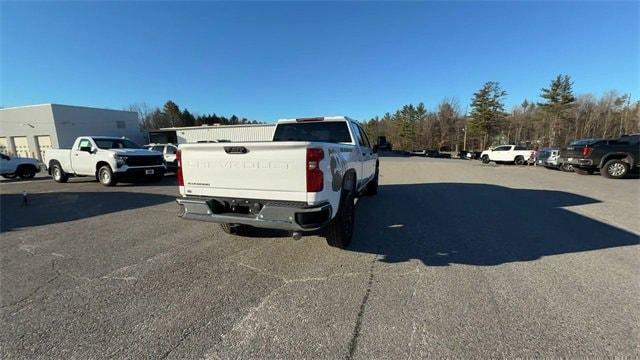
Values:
[(115, 144), (321, 131)]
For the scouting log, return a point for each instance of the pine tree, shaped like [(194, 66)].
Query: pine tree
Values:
[(172, 113), (559, 99), (405, 124), (487, 111), (187, 118)]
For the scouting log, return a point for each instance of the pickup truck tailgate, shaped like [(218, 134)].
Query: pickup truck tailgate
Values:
[(260, 170)]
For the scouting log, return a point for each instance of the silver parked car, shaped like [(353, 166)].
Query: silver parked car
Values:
[(548, 157)]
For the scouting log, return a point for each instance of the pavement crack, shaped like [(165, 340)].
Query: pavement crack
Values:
[(413, 322), (353, 344), (185, 334), (37, 289)]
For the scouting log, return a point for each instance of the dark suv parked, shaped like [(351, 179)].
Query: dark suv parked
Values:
[(612, 158)]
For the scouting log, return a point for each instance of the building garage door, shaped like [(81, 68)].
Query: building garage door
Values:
[(44, 143), (22, 146), (4, 146)]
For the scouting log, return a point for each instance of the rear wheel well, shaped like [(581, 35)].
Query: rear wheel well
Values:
[(22, 166), (624, 157), (349, 181), (51, 163), (26, 165)]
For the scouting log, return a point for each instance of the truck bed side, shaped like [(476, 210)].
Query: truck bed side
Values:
[(62, 156)]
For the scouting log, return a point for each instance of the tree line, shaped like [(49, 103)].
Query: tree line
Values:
[(170, 115), (558, 118)]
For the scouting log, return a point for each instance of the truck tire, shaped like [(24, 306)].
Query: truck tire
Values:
[(372, 186), (233, 229), (566, 167), (58, 174), (519, 160), (340, 230), (615, 169), (580, 171), (26, 171), (485, 159), (106, 177)]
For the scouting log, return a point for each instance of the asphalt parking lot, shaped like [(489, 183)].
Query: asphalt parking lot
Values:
[(452, 258)]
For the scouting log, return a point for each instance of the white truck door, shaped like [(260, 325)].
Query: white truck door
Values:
[(82, 160), (368, 157), (501, 153), (360, 154)]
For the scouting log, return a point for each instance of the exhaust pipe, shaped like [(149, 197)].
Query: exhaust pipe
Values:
[(297, 235)]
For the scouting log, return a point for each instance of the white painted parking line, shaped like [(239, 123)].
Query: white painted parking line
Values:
[(19, 182)]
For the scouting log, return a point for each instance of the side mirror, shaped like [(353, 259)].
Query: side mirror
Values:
[(375, 149)]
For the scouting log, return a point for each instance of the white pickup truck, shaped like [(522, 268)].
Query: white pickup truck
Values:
[(109, 159), (306, 179), (517, 154)]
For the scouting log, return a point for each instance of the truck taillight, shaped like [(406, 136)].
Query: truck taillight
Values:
[(586, 151), (179, 171), (315, 177)]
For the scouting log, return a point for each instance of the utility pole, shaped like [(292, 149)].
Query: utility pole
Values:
[(464, 141)]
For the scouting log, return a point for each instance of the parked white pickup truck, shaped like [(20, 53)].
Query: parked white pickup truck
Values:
[(25, 168), (109, 159), (517, 154), (306, 179)]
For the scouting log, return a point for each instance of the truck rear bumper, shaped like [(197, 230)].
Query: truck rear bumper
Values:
[(258, 213), (579, 162)]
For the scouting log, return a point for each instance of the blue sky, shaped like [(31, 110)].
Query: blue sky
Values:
[(265, 61)]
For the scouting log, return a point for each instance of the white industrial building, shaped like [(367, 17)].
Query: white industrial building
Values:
[(29, 130), (192, 134)]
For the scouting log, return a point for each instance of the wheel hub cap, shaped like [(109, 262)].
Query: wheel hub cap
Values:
[(616, 169)]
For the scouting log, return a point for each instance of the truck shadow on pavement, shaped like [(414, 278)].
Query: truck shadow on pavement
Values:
[(51, 208), (476, 224)]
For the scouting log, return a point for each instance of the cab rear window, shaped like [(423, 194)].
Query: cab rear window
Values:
[(321, 131)]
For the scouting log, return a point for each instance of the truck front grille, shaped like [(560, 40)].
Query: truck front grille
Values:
[(144, 160)]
